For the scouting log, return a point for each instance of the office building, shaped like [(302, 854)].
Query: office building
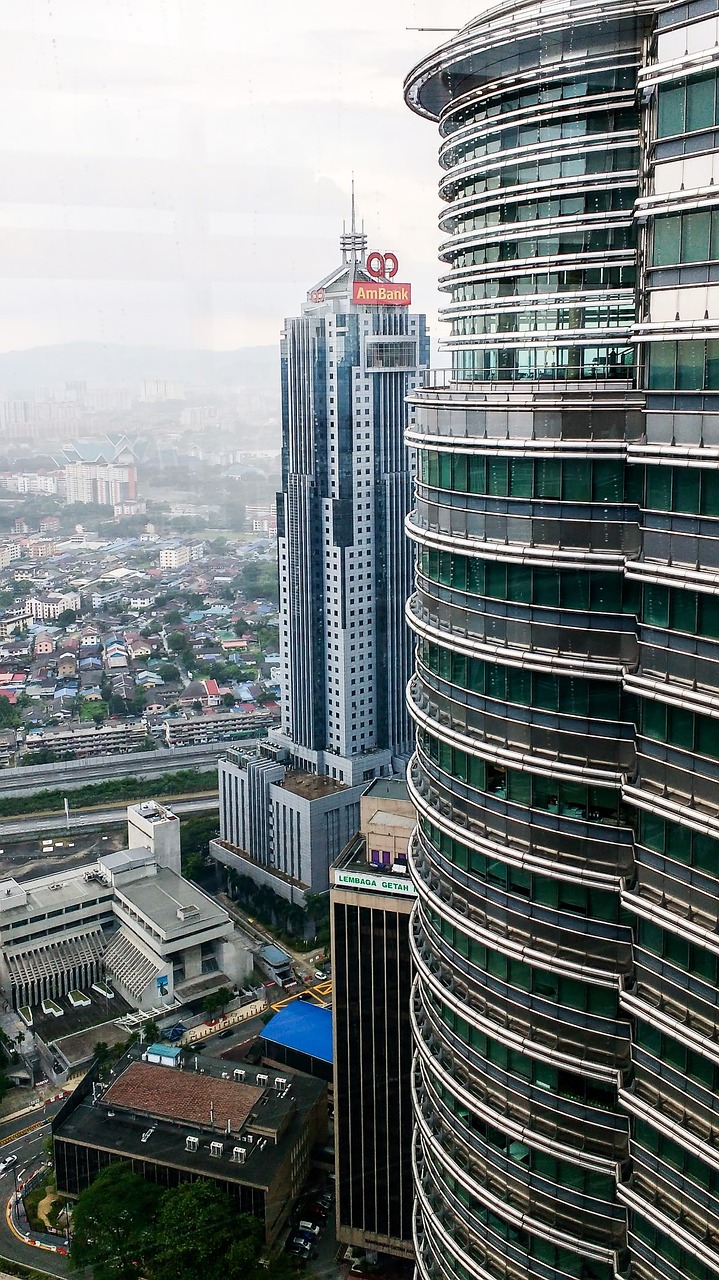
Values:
[(566, 1007), (175, 1120), (129, 916), (282, 826), (345, 571), (371, 898), (345, 566)]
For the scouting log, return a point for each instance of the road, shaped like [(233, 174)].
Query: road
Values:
[(100, 816), (25, 1137), (147, 764)]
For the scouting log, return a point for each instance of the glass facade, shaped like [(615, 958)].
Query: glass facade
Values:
[(565, 1005)]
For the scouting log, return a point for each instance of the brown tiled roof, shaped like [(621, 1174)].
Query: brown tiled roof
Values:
[(183, 1096)]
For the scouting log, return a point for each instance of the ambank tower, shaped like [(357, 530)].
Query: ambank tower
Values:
[(349, 362)]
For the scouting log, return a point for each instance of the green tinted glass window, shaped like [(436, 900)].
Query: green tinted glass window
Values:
[(696, 229), (671, 111), (700, 102), (667, 241), (660, 358), (690, 366)]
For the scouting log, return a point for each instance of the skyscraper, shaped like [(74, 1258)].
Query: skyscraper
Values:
[(566, 858), (348, 362), (345, 569), (371, 898)]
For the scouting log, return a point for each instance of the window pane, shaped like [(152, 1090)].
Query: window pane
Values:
[(700, 103), (695, 236), (667, 241), (686, 492), (712, 382), (660, 358), (671, 111), (690, 366)]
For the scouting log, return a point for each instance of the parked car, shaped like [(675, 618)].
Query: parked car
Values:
[(224, 1034), (309, 1228), (7, 1163)]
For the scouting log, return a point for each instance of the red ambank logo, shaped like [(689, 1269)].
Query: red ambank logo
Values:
[(374, 294)]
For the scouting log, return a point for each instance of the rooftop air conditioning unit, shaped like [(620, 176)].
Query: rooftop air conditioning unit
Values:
[(216, 1149), (225, 1075), (191, 1144), (239, 1155), (262, 1079), (280, 1082), (238, 1073)]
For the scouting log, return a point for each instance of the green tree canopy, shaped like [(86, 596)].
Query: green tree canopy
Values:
[(66, 618), (113, 1225), (200, 1233)]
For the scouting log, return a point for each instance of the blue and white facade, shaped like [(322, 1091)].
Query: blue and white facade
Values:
[(345, 567)]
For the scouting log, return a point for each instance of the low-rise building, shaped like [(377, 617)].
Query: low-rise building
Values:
[(249, 1131), (49, 606), (118, 736), (129, 917), (218, 726)]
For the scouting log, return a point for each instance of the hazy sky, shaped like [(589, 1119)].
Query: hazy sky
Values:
[(176, 172)]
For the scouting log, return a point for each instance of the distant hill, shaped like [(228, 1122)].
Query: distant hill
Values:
[(99, 364)]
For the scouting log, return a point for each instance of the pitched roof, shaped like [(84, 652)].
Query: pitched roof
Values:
[(184, 1096)]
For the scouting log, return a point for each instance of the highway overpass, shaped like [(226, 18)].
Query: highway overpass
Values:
[(97, 818), (141, 764)]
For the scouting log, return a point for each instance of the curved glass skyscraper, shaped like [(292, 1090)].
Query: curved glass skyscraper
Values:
[(565, 1007)]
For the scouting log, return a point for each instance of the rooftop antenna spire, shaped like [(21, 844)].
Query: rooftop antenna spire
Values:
[(353, 243)]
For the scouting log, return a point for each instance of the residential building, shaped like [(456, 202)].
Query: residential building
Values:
[(83, 740), (49, 606), (299, 1036), (107, 484), (249, 1132), (217, 726), (9, 625), (371, 898), (175, 557), (565, 1009)]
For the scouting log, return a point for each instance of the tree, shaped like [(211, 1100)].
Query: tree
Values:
[(174, 619), (66, 617), (199, 1232), (197, 705), (9, 718), (151, 1031), (113, 1224), (168, 672), (228, 700)]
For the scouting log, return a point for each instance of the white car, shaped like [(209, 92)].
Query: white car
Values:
[(310, 1227), (7, 1163)]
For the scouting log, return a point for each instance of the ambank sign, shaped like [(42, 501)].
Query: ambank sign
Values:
[(364, 880), (374, 294)]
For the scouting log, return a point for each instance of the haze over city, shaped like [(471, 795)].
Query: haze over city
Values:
[(177, 174)]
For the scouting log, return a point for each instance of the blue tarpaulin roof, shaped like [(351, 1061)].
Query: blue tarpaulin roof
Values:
[(302, 1026)]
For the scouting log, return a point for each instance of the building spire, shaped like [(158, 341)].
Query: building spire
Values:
[(353, 243)]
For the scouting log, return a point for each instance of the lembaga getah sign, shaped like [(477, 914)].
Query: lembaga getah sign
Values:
[(366, 880), (372, 293)]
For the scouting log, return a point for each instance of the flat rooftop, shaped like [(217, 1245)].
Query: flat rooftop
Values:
[(304, 1027), (312, 786), (158, 898), (388, 789), (120, 1126)]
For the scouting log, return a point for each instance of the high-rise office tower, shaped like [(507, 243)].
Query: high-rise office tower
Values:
[(348, 362), (345, 570), (566, 774), (371, 897)]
